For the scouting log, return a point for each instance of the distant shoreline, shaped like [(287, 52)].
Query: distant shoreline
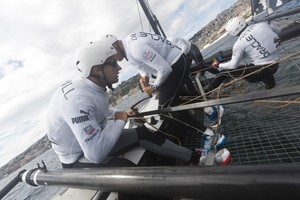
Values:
[(35, 150)]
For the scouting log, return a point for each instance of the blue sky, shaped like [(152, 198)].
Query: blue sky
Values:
[(38, 41)]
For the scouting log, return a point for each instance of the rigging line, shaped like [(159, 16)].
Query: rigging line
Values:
[(256, 112), (280, 101), (150, 11), (230, 100), (286, 103), (147, 4), (219, 109), (259, 102), (240, 78), (167, 134), (140, 18), (220, 74), (184, 123), (201, 70), (278, 61), (242, 69), (271, 107)]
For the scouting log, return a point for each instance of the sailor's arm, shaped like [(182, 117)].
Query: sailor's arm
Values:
[(237, 53), (92, 136), (158, 63), (111, 112)]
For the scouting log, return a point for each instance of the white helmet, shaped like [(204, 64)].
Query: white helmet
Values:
[(94, 53), (235, 25), (109, 38)]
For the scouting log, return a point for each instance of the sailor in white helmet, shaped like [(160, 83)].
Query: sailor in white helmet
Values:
[(154, 55), (78, 114), (259, 43)]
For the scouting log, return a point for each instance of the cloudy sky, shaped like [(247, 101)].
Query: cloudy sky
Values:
[(39, 37)]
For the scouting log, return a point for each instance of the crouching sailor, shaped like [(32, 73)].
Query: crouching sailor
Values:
[(257, 42)]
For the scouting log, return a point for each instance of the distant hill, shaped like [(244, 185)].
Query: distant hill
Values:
[(214, 29), (22, 159), (123, 89)]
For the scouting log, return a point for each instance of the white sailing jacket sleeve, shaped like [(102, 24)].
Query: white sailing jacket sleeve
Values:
[(150, 57), (237, 52), (151, 54), (112, 112), (77, 119), (183, 44)]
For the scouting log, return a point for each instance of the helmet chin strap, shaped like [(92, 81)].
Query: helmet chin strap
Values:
[(123, 52), (104, 78)]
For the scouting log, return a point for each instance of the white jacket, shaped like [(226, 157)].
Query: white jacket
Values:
[(258, 42), (151, 54), (77, 117), (183, 44)]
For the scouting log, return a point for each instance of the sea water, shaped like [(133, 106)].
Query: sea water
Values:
[(287, 75)]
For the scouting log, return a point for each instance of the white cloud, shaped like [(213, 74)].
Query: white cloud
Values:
[(39, 38)]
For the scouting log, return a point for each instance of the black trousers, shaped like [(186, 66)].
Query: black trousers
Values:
[(175, 83), (129, 139), (179, 83)]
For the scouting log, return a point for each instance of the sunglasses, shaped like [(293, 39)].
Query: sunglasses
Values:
[(113, 63)]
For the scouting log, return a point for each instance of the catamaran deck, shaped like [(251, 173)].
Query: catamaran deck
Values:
[(258, 135), (261, 135)]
